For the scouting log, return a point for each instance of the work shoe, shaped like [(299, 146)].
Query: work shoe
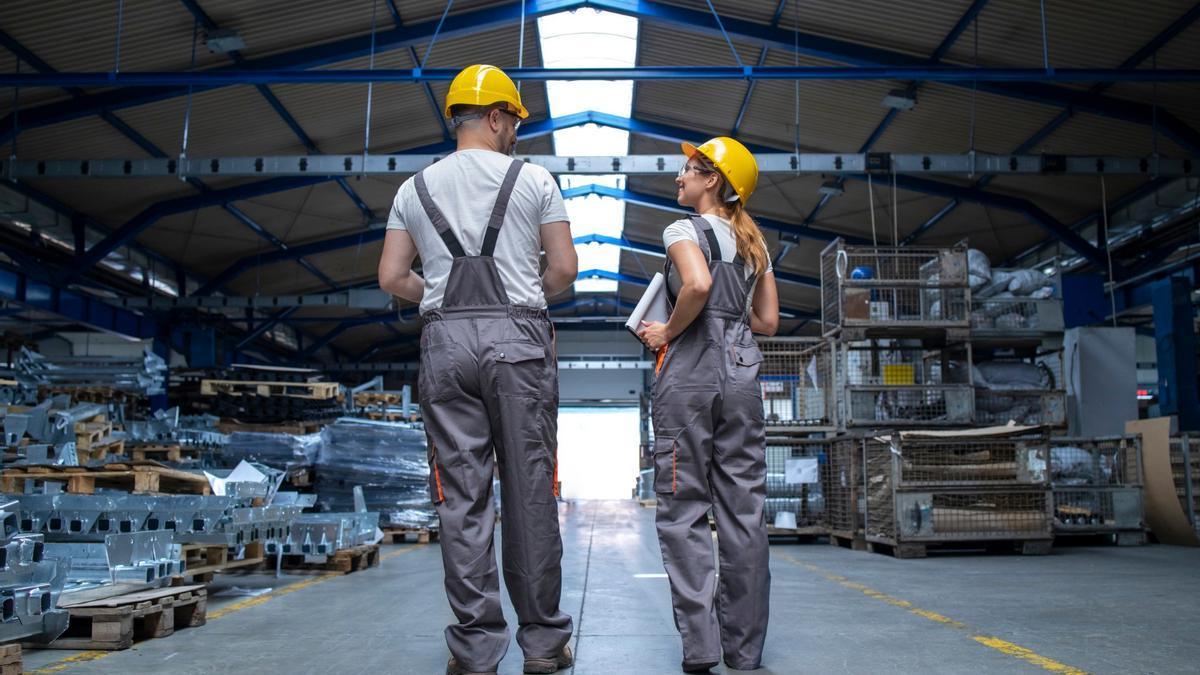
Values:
[(699, 666), (563, 660), (452, 668)]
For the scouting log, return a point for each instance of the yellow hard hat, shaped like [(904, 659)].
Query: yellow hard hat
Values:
[(733, 160), (484, 85)]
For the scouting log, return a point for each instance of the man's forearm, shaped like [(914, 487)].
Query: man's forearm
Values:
[(555, 281), (410, 287)]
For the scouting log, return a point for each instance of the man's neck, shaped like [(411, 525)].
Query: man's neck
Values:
[(471, 142)]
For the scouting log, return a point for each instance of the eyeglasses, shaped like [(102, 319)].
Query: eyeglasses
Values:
[(516, 120), (691, 167)]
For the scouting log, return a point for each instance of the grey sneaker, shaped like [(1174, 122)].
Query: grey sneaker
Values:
[(564, 660), (452, 668)]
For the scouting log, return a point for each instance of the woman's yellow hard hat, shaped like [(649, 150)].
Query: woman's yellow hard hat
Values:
[(732, 159), (484, 85)]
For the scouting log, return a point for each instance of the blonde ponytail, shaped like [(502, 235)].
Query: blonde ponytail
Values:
[(750, 243)]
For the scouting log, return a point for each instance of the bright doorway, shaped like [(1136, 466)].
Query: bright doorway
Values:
[(598, 452)]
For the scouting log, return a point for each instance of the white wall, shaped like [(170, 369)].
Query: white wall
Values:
[(598, 385)]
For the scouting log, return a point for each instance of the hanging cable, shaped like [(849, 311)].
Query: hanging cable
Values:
[(436, 32), (974, 90), (16, 115), (187, 109), (521, 46), (895, 213), (1045, 39), (796, 63), (117, 52), (370, 90), (1112, 289), (871, 201)]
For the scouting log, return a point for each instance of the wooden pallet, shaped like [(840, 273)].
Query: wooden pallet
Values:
[(304, 476), (910, 549), (365, 398), (388, 416), (100, 451), (161, 452), (92, 432), (117, 622), (803, 534), (297, 428), (148, 477), (311, 390), (400, 535), (10, 660), (648, 503), (343, 561), (851, 540)]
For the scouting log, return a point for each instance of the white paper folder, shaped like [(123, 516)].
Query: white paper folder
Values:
[(652, 307)]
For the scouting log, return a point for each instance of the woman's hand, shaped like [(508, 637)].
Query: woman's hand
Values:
[(654, 335)]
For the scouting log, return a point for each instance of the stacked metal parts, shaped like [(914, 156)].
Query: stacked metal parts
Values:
[(388, 459), (144, 375), (31, 582)]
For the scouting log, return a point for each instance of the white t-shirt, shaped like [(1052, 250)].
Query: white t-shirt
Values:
[(464, 186), (683, 230)]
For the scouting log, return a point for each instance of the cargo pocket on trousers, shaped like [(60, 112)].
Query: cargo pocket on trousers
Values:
[(747, 359), (666, 463), (520, 369)]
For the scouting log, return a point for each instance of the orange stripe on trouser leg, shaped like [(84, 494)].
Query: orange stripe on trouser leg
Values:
[(437, 476), (662, 354), (556, 472)]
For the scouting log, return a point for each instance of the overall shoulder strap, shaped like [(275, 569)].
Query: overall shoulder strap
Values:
[(501, 207), (706, 237), (436, 217)]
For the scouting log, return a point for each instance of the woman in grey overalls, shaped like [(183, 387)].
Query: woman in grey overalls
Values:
[(709, 437)]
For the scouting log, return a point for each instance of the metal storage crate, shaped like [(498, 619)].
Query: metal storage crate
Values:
[(796, 378), (1035, 396), (922, 491), (892, 287), (1015, 317), (1097, 486), (908, 461), (841, 483), (805, 498), (1185, 466), (888, 383)]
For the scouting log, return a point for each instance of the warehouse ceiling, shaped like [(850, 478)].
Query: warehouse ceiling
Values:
[(809, 115)]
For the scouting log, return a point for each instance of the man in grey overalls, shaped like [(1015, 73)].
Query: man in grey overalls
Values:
[(488, 382), (710, 452)]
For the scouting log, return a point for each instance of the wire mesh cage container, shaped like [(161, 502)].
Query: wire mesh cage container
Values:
[(921, 491), (1025, 391), (1098, 487), (894, 287), (794, 480), (1015, 317), (796, 379), (1185, 466), (894, 383), (914, 461), (841, 484)]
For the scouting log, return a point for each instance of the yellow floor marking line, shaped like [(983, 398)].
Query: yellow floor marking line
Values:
[(84, 657), (1008, 648)]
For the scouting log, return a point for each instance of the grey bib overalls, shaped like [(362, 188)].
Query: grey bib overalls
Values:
[(710, 452), (489, 388)]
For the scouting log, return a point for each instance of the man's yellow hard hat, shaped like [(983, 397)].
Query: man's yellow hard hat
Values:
[(484, 85), (732, 159)]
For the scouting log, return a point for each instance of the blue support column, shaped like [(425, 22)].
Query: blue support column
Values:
[(161, 347), (1175, 342)]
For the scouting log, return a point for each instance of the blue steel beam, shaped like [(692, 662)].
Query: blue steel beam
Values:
[(828, 48), (23, 289), (322, 246), (466, 23), (265, 326), (154, 151), (947, 42), (131, 229), (193, 7), (1033, 79), (1150, 48)]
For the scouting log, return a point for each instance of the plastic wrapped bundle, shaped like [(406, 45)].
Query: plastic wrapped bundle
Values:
[(390, 462), (280, 451)]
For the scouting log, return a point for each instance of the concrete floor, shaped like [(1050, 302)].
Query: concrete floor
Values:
[(1095, 609)]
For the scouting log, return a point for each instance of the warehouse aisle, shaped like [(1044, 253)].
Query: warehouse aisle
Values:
[(832, 610)]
